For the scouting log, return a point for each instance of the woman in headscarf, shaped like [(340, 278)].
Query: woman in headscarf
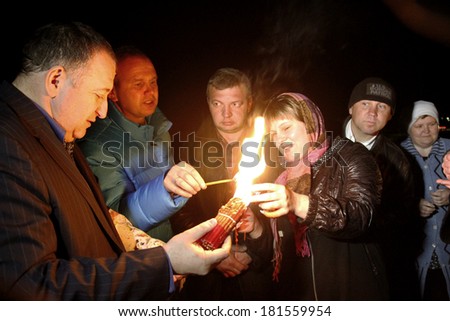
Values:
[(321, 209)]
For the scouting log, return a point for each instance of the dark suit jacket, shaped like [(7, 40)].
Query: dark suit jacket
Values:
[(57, 240)]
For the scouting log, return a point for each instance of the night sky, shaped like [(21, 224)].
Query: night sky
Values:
[(320, 48)]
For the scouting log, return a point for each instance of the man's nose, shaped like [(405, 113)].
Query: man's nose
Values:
[(226, 111), (102, 111), (373, 109)]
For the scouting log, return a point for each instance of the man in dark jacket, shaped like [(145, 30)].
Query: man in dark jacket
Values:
[(371, 106), (216, 156)]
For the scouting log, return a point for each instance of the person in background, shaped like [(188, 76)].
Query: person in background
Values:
[(371, 106), (445, 228), (216, 156), (428, 150), (328, 194), (446, 169), (129, 150), (57, 237)]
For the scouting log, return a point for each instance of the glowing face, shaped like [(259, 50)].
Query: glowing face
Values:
[(136, 88), (84, 98), (229, 108), (424, 132), (290, 137), (368, 118)]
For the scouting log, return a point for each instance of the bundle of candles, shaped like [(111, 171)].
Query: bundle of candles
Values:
[(227, 218), (229, 214)]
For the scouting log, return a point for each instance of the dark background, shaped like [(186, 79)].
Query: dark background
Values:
[(321, 48)]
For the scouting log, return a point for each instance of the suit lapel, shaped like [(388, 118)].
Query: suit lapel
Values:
[(81, 175)]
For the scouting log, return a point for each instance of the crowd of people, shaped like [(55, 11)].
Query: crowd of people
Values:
[(94, 205), (58, 240)]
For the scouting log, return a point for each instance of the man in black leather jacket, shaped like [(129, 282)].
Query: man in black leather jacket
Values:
[(371, 106)]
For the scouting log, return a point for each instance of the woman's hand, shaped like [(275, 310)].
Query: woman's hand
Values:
[(276, 200), (440, 197), (426, 208)]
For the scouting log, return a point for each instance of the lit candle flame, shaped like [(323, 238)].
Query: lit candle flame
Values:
[(252, 162), (252, 165)]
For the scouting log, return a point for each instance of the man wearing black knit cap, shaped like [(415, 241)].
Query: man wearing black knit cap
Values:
[(371, 106)]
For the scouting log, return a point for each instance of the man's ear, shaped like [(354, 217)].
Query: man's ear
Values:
[(350, 110), (112, 95), (250, 105), (54, 80)]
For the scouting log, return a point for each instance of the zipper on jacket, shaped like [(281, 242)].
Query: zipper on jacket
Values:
[(312, 267), (369, 256)]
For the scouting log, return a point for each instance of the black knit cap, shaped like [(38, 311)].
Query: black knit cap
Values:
[(373, 89)]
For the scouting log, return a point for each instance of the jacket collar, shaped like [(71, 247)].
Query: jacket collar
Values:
[(157, 123)]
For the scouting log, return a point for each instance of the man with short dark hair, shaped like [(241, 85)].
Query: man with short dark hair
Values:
[(130, 150)]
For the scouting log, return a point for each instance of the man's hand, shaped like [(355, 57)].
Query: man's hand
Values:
[(446, 165), (237, 262), (445, 182), (189, 258), (184, 180), (446, 169)]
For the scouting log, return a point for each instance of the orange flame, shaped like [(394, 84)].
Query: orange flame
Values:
[(252, 162)]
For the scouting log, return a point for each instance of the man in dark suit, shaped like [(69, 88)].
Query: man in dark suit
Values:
[(57, 239)]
